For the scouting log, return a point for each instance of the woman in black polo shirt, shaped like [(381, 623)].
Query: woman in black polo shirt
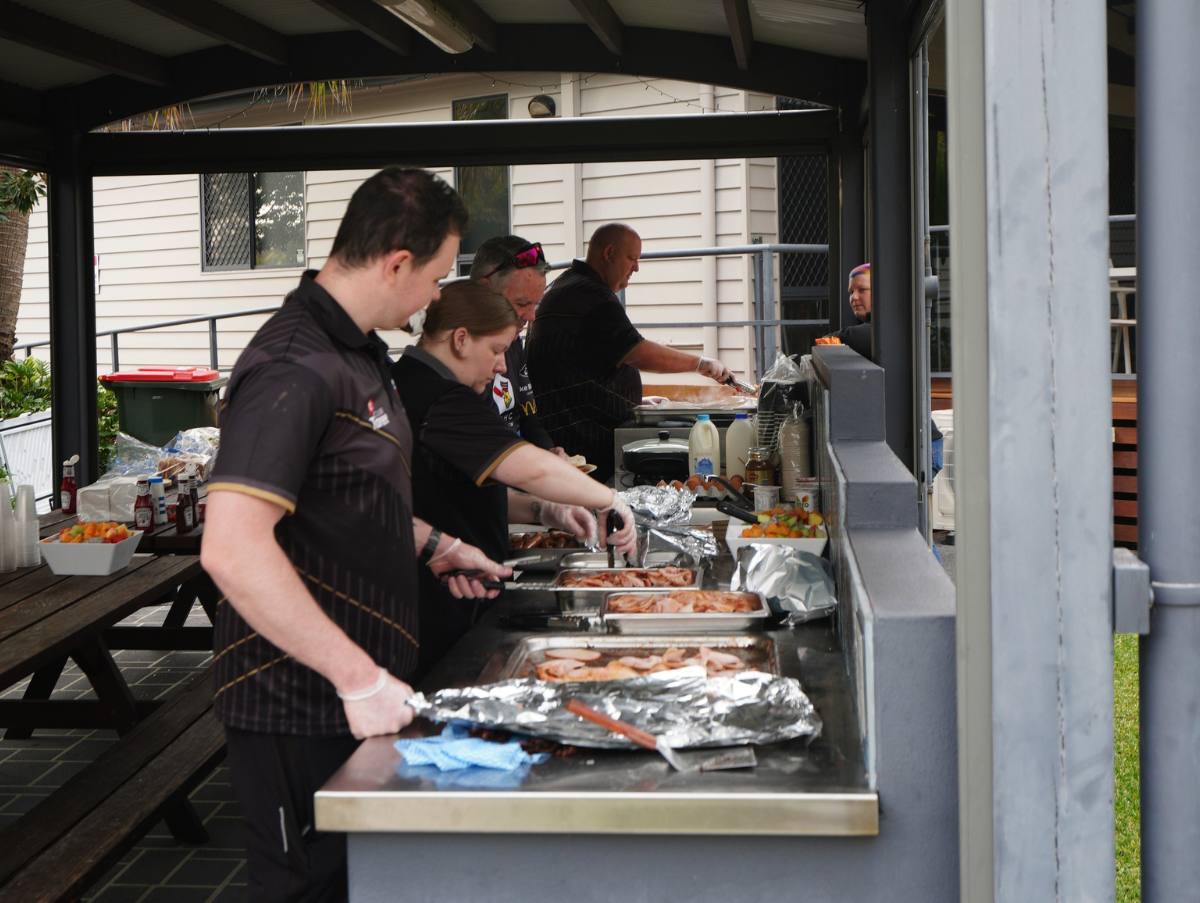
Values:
[(468, 456)]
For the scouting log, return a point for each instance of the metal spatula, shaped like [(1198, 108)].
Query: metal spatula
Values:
[(701, 760)]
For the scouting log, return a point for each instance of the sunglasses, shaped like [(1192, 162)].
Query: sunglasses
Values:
[(530, 257)]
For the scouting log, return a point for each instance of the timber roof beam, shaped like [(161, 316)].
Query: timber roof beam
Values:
[(475, 20), (741, 32), (604, 22), (54, 36), (223, 24), (374, 21)]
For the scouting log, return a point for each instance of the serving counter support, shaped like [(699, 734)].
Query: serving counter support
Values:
[(867, 811)]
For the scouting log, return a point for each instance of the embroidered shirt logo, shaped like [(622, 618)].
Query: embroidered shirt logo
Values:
[(502, 390), (377, 416)]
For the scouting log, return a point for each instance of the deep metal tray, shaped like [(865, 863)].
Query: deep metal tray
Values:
[(600, 560), (693, 622), (758, 652)]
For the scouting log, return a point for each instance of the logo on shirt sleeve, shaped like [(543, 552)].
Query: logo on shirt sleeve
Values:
[(377, 416), (502, 394)]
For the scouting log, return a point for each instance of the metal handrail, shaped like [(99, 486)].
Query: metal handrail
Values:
[(764, 326)]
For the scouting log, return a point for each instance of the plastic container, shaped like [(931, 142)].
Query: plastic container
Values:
[(704, 447), (735, 540), (739, 439), (90, 559), (155, 403), (795, 456)]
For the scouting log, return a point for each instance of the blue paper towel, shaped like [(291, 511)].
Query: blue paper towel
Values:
[(455, 748)]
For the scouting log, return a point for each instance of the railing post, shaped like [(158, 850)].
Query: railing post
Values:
[(758, 315), (212, 343), (768, 296), (116, 357)]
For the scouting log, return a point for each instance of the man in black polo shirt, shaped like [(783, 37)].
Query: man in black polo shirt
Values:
[(585, 356), (310, 532)]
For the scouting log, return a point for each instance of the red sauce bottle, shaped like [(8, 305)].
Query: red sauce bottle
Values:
[(69, 488), (143, 507)]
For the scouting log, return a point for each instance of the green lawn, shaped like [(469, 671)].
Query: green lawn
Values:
[(1125, 718)]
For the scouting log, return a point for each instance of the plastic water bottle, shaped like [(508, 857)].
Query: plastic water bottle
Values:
[(704, 447)]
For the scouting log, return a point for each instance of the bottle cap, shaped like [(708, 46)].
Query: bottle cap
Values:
[(703, 417), (156, 479), (741, 417)]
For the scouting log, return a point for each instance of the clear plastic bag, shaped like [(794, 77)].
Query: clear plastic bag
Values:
[(197, 447), (784, 370), (133, 458)]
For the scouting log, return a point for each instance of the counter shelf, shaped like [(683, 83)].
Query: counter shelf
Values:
[(798, 788)]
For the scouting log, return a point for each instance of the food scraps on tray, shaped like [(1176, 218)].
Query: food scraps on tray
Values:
[(571, 665), (543, 539), (687, 602), (665, 576)]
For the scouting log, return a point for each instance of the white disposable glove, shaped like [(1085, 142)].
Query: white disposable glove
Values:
[(713, 369), (380, 709), (571, 518), (625, 538)]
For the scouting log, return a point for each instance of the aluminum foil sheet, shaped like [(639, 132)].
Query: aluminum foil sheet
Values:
[(659, 506), (686, 706), (697, 544), (797, 584)]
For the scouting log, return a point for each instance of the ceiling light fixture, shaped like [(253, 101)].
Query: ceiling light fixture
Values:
[(542, 107), (434, 22)]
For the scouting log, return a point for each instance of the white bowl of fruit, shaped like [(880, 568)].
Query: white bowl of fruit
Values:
[(93, 550), (784, 525)]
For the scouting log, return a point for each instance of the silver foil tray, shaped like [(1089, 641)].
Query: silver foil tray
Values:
[(591, 598), (758, 652), (681, 622)]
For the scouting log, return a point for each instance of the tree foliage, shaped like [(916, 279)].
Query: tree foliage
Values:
[(20, 191)]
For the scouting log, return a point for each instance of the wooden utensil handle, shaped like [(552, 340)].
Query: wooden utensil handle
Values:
[(636, 734)]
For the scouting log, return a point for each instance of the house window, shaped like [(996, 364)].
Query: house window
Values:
[(252, 220), (484, 189)]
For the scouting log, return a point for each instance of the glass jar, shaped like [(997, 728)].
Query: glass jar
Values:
[(758, 468)]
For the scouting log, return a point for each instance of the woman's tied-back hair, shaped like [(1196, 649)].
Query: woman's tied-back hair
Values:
[(862, 268), (473, 306), (399, 209)]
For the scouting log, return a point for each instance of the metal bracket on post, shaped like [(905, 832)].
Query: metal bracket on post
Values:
[(1132, 595)]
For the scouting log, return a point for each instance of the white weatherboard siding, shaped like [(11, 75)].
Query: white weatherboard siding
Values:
[(148, 227)]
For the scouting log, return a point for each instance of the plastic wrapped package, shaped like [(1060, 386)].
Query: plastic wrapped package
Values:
[(197, 447), (110, 498), (133, 458)]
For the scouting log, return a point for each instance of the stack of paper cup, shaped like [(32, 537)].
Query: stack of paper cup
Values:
[(28, 553), (8, 531)]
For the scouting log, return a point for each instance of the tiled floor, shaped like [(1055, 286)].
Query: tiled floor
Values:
[(158, 869)]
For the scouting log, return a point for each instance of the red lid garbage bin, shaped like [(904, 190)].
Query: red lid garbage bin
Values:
[(155, 403)]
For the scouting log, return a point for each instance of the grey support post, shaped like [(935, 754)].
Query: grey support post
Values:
[(891, 219), (1168, 129), (1028, 205)]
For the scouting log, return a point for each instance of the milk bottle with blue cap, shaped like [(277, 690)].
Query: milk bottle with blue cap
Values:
[(704, 447)]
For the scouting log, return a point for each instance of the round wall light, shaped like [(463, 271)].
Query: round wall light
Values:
[(542, 107)]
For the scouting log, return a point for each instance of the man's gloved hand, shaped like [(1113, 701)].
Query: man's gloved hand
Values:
[(571, 518), (625, 538), (713, 369)]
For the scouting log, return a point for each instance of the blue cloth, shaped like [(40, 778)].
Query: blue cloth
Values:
[(471, 778), (937, 455), (455, 748)]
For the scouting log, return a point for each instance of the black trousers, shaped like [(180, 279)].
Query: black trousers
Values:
[(274, 778)]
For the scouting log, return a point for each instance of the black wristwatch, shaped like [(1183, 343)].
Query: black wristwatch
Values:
[(431, 544)]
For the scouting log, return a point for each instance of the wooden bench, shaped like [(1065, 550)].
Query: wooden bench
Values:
[(68, 841)]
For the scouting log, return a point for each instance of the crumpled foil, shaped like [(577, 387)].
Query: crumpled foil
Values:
[(659, 506), (686, 706), (796, 583)]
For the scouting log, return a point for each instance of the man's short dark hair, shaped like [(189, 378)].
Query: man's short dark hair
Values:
[(399, 209)]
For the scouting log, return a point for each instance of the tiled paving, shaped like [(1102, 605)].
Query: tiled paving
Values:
[(158, 869)]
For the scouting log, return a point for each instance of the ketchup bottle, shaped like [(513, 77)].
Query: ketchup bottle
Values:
[(69, 488), (143, 507)]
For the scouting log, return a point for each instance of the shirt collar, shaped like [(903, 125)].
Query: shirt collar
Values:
[(333, 317), (585, 269), (416, 352)]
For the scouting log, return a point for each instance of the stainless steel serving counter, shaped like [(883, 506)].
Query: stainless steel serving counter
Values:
[(798, 788)]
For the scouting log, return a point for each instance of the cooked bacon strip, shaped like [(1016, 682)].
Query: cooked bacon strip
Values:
[(579, 655)]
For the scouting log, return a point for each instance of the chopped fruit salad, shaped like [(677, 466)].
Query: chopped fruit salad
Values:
[(786, 523), (108, 531)]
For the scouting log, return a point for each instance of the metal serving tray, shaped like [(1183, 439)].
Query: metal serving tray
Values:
[(600, 560), (758, 652), (694, 622), (591, 598)]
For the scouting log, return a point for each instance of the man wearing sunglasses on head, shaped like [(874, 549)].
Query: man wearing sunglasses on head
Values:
[(586, 358), (517, 269)]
